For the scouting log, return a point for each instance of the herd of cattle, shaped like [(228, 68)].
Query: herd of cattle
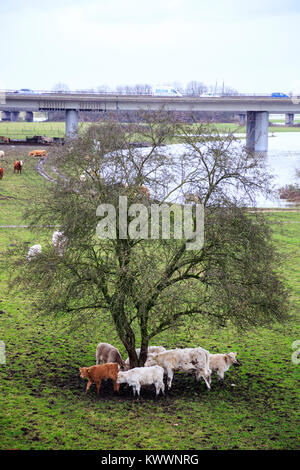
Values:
[(59, 241), (18, 165), (159, 362)]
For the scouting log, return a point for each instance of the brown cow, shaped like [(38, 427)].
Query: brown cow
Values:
[(18, 166), (4, 140), (95, 374), (1, 173), (145, 191), (38, 153)]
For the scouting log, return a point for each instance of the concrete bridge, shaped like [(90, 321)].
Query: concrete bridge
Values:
[(254, 110)]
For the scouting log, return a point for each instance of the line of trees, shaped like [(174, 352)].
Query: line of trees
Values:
[(193, 87)]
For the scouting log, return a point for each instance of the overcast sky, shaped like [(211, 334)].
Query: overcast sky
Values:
[(251, 45)]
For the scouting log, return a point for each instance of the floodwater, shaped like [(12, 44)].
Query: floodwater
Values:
[(282, 160)]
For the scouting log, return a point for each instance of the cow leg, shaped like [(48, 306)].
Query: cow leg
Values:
[(206, 381), (98, 386), (116, 386), (88, 386), (170, 378), (221, 376)]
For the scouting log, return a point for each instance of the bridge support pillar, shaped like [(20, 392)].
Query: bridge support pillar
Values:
[(289, 119), (257, 131), (6, 115), (29, 116), (71, 123), (242, 119), (14, 115)]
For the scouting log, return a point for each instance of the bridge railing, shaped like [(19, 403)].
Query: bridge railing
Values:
[(124, 93)]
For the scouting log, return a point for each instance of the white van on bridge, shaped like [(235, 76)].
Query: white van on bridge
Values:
[(164, 90)]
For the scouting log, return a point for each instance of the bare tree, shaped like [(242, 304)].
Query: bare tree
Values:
[(147, 284), (143, 89), (61, 87), (103, 89), (196, 88)]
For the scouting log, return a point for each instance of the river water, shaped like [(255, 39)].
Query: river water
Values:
[(282, 160)]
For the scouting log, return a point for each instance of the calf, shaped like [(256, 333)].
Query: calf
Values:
[(18, 166), (2, 154), (108, 353), (95, 374), (143, 376), (1, 173), (220, 363)]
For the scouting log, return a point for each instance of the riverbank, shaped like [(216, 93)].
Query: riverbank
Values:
[(21, 130)]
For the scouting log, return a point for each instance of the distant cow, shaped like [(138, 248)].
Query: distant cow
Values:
[(1, 173), (95, 374), (145, 191), (60, 242), (4, 140), (33, 251), (47, 140), (37, 153), (191, 198), (107, 353), (18, 166)]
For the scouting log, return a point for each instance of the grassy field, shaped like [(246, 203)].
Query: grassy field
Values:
[(21, 130), (43, 405)]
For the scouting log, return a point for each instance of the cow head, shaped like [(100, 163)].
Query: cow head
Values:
[(231, 358)]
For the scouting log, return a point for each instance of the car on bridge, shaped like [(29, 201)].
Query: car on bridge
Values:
[(279, 95), (26, 91)]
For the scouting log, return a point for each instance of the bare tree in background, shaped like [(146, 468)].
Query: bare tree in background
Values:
[(196, 88), (61, 87)]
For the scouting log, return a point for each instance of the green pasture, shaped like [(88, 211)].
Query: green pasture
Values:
[(42, 401), (21, 130)]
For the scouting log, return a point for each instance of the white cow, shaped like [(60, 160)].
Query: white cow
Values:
[(143, 376), (33, 251), (60, 242), (151, 350), (184, 360), (220, 363)]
